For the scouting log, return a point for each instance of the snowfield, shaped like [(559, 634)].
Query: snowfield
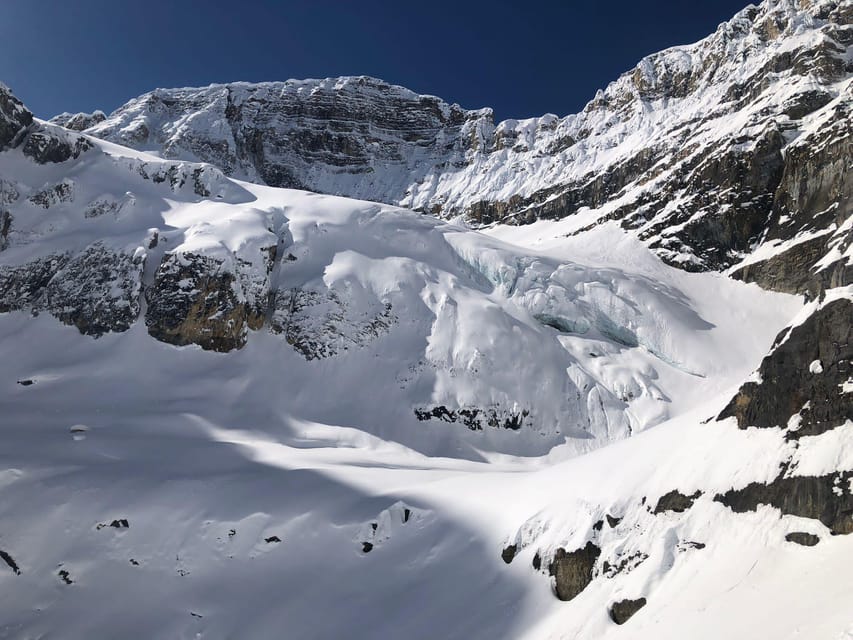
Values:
[(306, 485)]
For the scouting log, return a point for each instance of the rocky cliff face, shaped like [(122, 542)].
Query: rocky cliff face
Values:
[(15, 119), (354, 136), (704, 151), (79, 121), (804, 386)]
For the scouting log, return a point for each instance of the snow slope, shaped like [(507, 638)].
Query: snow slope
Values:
[(185, 445), (153, 490), (239, 411), (446, 320)]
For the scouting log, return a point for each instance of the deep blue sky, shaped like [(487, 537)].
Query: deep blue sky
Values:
[(522, 58)]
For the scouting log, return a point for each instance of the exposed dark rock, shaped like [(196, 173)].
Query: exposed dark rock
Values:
[(21, 287), (102, 207), (121, 523), (728, 199), (612, 521), (321, 324), (9, 193), (826, 498), (508, 553), (537, 561), (815, 195), (65, 576), (26, 383), (573, 571), (689, 544), (96, 291), (788, 382), (802, 538), (53, 195), (475, 418), (14, 119), (53, 146), (598, 526), (816, 189), (11, 562), (272, 539), (5, 227), (623, 564), (195, 300), (407, 513), (789, 271), (805, 103), (621, 611), (78, 121), (179, 174), (675, 501), (366, 547), (283, 136), (135, 563)]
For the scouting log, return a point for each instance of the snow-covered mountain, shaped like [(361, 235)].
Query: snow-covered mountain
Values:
[(234, 409), (500, 348), (702, 151)]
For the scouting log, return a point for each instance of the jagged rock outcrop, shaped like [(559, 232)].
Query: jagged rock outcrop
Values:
[(802, 381), (827, 498), (96, 291), (620, 612), (79, 121), (675, 501), (573, 570), (15, 118), (54, 194), (802, 538), (42, 144), (624, 563), (322, 323), (810, 218), (45, 145), (22, 286), (197, 299), (476, 419)]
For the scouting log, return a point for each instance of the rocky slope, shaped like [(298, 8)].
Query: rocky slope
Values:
[(704, 151)]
